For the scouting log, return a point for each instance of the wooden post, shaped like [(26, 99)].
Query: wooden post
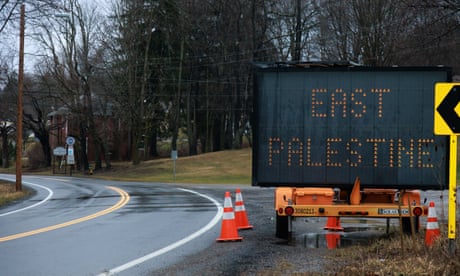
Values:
[(20, 91)]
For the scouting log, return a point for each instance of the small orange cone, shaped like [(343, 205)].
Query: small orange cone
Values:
[(333, 224), (241, 217), (228, 232), (432, 226), (332, 240)]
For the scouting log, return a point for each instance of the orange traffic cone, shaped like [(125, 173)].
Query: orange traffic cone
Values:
[(432, 226), (228, 232), (241, 217), (332, 240), (333, 224)]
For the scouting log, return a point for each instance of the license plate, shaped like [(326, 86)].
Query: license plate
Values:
[(393, 212)]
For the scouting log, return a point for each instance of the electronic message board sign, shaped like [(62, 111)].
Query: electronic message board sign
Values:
[(325, 126)]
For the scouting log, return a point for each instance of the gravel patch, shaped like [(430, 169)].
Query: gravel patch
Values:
[(260, 252)]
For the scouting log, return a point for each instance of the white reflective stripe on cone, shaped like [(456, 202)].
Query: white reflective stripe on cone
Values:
[(228, 215)]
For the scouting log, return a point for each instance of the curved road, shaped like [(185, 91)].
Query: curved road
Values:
[(80, 226)]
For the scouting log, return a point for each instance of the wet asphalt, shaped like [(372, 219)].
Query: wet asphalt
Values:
[(139, 237), (156, 216)]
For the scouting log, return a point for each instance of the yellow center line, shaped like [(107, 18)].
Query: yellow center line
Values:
[(124, 199)]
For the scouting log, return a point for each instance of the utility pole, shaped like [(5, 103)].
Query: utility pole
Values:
[(20, 91)]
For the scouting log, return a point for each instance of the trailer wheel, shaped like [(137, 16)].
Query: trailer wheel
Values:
[(406, 225), (282, 227)]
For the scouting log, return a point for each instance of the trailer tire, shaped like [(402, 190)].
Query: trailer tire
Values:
[(407, 227), (282, 227)]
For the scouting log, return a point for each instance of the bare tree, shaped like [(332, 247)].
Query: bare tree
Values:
[(292, 25), (70, 47), (8, 12), (368, 32), (434, 34), (7, 112), (37, 105), (6, 128), (132, 50)]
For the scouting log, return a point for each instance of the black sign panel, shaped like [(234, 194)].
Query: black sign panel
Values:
[(324, 127)]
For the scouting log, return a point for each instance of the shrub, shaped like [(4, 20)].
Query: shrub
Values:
[(36, 158)]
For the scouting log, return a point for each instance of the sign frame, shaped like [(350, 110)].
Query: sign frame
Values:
[(446, 122), (305, 137), (446, 99)]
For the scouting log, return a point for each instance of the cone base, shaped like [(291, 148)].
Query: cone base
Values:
[(333, 224), (333, 228), (229, 239), (246, 227)]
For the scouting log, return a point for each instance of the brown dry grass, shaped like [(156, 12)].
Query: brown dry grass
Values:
[(9, 194), (223, 167), (385, 256), (390, 256)]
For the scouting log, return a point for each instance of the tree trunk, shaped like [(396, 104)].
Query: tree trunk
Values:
[(5, 155), (192, 121), (177, 102), (296, 55), (135, 148), (83, 147), (217, 134), (46, 150), (107, 157), (153, 151)]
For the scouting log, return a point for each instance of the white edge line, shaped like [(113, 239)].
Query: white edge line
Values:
[(172, 246), (50, 194)]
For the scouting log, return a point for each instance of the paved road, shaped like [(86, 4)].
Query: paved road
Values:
[(79, 226), (106, 227)]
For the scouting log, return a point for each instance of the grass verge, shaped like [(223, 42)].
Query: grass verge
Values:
[(224, 167), (385, 256), (9, 194), (396, 256)]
